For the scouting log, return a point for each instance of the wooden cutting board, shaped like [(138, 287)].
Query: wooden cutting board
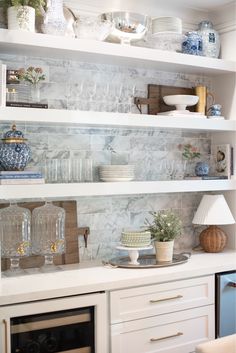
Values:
[(157, 92), (154, 101), (71, 237)]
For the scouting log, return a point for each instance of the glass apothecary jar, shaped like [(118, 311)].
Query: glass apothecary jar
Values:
[(15, 236), (210, 39), (48, 233)]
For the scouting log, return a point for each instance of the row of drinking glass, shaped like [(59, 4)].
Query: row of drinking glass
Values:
[(110, 97), (67, 170)]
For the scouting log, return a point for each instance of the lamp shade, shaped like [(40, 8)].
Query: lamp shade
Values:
[(213, 210)]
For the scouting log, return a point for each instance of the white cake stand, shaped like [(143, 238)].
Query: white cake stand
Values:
[(133, 253)]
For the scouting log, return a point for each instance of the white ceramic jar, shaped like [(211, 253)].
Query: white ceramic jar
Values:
[(21, 18)]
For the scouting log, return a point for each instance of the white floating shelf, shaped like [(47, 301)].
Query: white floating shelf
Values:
[(42, 45), (72, 191), (104, 119)]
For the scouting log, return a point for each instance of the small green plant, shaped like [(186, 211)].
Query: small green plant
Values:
[(189, 152), (32, 75), (166, 225), (36, 4)]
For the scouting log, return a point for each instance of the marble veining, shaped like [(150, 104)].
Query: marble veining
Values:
[(66, 87)]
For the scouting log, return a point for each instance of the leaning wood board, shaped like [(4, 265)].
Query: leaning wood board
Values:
[(71, 237), (156, 92)]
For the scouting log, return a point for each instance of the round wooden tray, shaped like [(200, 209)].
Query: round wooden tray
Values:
[(149, 261)]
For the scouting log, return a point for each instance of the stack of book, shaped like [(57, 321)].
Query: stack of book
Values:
[(21, 178)]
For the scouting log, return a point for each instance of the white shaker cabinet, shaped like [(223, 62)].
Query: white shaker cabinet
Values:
[(167, 318)]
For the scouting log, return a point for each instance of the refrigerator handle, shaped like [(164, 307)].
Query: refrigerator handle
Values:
[(231, 284)]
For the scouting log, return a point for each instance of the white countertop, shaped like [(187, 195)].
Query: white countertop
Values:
[(77, 279)]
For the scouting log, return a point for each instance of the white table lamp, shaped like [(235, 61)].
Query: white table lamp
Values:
[(213, 210)]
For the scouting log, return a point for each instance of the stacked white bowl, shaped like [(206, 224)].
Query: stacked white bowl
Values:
[(114, 172), (167, 33), (166, 24), (135, 238)]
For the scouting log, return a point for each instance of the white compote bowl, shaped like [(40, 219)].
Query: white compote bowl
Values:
[(181, 101)]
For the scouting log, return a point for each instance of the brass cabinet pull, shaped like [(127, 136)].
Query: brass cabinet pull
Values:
[(162, 300), (165, 337), (6, 336)]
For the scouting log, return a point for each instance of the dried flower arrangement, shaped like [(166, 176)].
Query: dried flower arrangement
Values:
[(32, 75), (189, 152)]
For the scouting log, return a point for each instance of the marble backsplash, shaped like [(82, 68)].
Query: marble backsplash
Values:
[(145, 148)]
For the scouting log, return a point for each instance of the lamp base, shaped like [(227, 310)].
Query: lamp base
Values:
[(213, 239)]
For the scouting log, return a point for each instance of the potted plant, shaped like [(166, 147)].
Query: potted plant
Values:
[(21, 13), (164, 228)]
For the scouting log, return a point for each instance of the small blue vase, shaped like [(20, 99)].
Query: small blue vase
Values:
[(202, 169), (14, 152), (215, 110)]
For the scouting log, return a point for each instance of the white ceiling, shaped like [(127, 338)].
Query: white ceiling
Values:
[(202, 4), (191, 11)]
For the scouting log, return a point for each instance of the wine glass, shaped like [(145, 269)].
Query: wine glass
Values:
[(48, 233), (15, 236), (169, 167)]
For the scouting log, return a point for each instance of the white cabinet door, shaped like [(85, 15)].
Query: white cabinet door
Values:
[(179, 332)]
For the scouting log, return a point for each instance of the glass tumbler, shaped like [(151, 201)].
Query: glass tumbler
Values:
[(76, 170), (51, 170), (64, 170), (15, 236), (48, 233), (87, 170)]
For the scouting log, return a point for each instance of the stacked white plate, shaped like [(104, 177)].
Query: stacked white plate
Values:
[(116, 172), (166, 24), (167, 33)]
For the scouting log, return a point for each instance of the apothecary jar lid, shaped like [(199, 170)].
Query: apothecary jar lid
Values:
[(13, 135), (205, 24)]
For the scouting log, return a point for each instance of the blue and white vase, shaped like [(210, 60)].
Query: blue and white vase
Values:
[(210, 39), (192, 44), (14, 152), (202, 169)]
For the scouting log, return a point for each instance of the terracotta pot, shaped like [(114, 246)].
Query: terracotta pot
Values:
[(164, 250), (21, 18)]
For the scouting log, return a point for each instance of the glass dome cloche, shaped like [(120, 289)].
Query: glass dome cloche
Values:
[(14, 152), (48, 233), (15, 236)]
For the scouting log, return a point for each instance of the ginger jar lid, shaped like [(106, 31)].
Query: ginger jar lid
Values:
[(13, 136)]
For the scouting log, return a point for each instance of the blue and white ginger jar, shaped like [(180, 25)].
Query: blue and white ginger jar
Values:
[(14, 152), (192, 44)]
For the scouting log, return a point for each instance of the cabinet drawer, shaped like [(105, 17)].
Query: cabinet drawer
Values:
[(141, 302), (170, 333)]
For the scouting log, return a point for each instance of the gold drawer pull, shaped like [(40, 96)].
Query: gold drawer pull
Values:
[(165, 337), (162, 300), (6, 335)]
